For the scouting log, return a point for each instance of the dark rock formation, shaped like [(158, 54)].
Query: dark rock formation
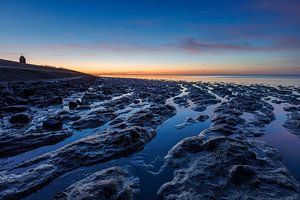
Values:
[(15, 143), (227, 168), (293, 123), (109, 184), (202, 118), (72, 105), (87, 151), (53, 124), (22, 118)]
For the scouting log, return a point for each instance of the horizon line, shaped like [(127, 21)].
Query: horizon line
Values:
[(188, 74)]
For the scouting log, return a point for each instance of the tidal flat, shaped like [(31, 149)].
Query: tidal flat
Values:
[(125, 138)]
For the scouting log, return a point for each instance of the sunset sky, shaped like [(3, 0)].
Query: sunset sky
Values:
[(167, 36)]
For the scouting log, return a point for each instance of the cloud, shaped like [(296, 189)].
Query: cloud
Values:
[(194, 45), (234, 41)]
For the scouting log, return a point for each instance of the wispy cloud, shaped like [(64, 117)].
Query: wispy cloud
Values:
[(194, 45), (237, 41)]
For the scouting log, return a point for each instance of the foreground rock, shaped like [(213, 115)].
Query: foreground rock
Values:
[(91, 150), (53, 124), (97, 148), (109, 184), (228, 120), (227, 168), (15, 143), (293, 123), (22, 118), (94, 119)]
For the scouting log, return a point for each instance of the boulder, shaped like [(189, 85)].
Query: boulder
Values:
[(202, 118), (72, 105), (22, 118), (113, 183), (53, 124)]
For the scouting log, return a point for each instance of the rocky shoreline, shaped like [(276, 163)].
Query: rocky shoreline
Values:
[(121, 116)]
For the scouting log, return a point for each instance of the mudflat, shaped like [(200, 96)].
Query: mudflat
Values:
[(101, 138)]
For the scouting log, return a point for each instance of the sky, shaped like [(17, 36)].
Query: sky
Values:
[(154, 37)]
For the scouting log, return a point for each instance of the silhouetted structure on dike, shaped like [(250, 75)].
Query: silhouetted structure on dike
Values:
[(22, 59)]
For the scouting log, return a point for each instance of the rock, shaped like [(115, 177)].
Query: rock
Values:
[(276, 101), (14, 109), (190, 120), (199, 108), (16, 143), (3, 104), (53, 124), (55, 100), (117, 121), (113, 183), (83, 108), (9, 100), (96, 148), (182, 101), (202, 118), (227, 168), (227, 119), (99, 147), (28, 92), (93, 121), (72, 105), (136, 101), (69, 117), (20, 101), (22, 118), (240, 174), (152, 116), (293, 123), (291, 109)]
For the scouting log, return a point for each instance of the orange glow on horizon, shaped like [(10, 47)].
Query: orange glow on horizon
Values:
[(167, 69)]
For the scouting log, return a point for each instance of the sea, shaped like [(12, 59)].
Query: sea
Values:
[(285, 80)]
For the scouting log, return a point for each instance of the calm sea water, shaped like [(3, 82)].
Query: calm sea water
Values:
[(240, 79)]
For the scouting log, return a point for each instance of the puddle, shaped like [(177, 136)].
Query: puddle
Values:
[(285, 142)]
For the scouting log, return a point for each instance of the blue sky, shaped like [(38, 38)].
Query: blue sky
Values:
[(154, 36)]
